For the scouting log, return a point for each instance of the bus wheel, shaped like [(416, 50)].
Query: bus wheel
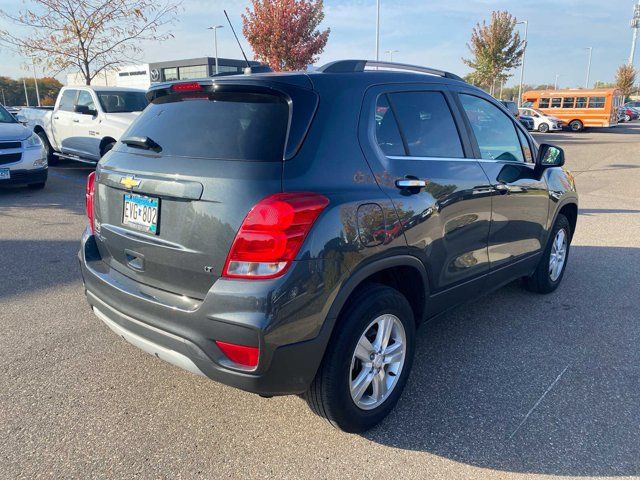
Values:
[(543, 127), (576, 126)]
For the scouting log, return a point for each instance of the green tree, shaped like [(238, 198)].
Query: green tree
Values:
[(13, 91), (496, 48), (625, 78)]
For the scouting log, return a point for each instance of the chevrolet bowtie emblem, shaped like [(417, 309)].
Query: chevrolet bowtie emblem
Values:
[(130, 182)]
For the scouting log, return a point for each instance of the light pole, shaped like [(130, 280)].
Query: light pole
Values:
[(635, 25), (526, 27), (377, 30), (555, 85), (215, 42), (586, 83), (35, 80), (24, 84), (391, 52)]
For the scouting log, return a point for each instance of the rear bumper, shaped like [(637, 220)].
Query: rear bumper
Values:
[(184, 333), (26, 177)]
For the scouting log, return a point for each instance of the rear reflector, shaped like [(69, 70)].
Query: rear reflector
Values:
[(271, 235), (240, 354), (186, 87), (88, 199)]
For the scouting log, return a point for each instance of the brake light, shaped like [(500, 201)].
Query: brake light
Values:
[(240, 354), (88, 196), (186, 87), (271, 235)]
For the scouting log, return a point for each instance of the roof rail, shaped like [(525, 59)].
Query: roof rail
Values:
[(352, 66)]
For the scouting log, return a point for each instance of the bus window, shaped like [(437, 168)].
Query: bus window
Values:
[(568, 102), (581, 102), (544, 103), (555, 102), (596, 102)]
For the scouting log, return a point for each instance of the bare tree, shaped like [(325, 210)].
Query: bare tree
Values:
[(496, 49), (87, 35), (625, 78)]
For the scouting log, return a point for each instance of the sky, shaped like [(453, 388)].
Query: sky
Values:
[(425, 32)]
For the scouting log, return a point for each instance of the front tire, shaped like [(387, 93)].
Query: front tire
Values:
[(550, 270), (543, 128), (367, 361)]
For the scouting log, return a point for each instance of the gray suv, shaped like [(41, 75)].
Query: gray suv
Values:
[(286, 233)]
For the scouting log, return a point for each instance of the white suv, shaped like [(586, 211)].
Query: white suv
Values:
[(541, 121), (23, 159)]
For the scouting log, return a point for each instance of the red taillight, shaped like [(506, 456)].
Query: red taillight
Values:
[(186, 87), (272, 234), (88, 196), (240, 354)]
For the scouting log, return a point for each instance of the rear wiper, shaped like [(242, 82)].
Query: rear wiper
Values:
[(142, 142)]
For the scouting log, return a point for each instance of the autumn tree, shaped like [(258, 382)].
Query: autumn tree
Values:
[(625, 78), (496, 48), (284, 33), (87, 35)]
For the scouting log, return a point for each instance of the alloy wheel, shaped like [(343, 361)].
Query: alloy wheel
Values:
[(558, 255)]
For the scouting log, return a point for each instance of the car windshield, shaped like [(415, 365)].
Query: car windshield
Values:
[(121, 102), (6, 117)]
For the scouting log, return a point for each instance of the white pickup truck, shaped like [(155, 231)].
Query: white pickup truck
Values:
[(86, 121)]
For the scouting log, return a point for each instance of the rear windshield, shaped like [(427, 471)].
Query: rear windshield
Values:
[(221, 125)]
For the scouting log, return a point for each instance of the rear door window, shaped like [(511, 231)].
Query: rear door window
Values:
[(67, 100), (217, 125), (426, 124), (387, 131)]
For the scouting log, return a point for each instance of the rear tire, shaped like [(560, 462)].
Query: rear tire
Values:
[(576, 126), (333, 393), (546, 278), (543, 128), (51, 158), (627, 118)]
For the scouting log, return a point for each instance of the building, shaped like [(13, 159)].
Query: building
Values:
[(143, 75)]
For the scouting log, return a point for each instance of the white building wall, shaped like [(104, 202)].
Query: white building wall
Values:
[(133, 76)]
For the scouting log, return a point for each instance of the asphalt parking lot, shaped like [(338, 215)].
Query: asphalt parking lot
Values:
[(513, 385)]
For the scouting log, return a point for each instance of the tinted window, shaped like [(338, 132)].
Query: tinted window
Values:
[(85, 99), (544, 103), (387, 133), (495, 132), (556, 102), (568, 102), (581, 102), (119, 102), (67, 100), (222, 125), (596, 102), (426, 124), (526, 147)]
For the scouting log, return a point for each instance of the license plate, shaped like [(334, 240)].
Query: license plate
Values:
[(141, 212), (5, 174)]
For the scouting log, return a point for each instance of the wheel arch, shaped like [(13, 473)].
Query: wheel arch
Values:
[(104, 142), (569, 210)]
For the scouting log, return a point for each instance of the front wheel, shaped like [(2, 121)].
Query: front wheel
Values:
[(553, 263), (576, 126), (51, 158), (367, 361), (543, 128), (627, 118)]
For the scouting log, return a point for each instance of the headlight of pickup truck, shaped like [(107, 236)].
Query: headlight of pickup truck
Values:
[(33, 142)]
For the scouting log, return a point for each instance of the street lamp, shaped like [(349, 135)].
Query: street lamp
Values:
[(586, 83), (35, 80), (555, 85), (215, 41), (377, 30), (391, 52), (526, 27)]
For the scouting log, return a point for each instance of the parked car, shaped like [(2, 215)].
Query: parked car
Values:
[(23, 160), (12, 110), (541, 121), (628, 113), (512, 107), (634, 104), (85, 122), (286, 233), (527, 122)]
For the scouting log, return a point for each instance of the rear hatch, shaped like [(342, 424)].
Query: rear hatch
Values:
[(172, 194)]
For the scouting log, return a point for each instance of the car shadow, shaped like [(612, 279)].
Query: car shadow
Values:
[(529, 383)]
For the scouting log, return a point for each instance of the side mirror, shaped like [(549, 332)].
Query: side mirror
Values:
[(84, 110), (550, 156)]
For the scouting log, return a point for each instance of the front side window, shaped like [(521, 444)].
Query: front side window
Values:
[(526, 147), (568, 102), (495, 132), (426, 124), (67, 100), (581, 102), (387, 131), (556, 102), (544, 103), (86, 100), (596, 102)]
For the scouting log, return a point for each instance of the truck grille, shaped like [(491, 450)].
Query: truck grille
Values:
[(8, 145), (10, 158)]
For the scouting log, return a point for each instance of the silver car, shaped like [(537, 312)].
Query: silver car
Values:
[(23, 159)]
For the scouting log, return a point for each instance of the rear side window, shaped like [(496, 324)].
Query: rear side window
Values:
[(596, 102), (568, 102), (556, 102), (387, 132), (217, 125), (426, 124), (67, 100), (495, 132), (581, 102), (544, 103)]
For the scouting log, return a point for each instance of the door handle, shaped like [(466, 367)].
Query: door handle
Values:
[(56, 117), (410, 182), (75, 120), (502, 188)]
